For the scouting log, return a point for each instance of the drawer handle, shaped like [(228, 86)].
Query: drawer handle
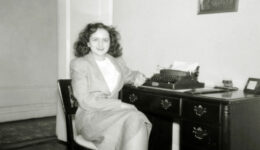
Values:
[(199, 133), (165, 103), (133, 98), (199, 110)]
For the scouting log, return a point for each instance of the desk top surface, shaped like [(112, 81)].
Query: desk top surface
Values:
[(223, 96)]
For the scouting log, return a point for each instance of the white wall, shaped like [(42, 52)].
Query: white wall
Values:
[(28, 60), (226, 45)]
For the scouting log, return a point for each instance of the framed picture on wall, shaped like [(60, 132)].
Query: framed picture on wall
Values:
[(217, 6)]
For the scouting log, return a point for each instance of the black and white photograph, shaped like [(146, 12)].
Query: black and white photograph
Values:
[(129, 75)]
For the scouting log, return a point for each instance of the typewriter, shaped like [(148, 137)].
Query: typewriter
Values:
[(175, 79)]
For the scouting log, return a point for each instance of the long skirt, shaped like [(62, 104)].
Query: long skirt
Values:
[(112, 129)]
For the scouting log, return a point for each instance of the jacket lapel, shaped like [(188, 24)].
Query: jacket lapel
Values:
[(97, 75)]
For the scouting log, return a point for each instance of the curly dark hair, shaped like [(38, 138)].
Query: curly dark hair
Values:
[(81, 45)]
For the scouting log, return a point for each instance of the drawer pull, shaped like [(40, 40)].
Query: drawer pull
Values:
[(133, 98), (199, 133), (199, 110), (165, 103)]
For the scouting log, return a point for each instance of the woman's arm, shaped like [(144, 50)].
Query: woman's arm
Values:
[(80, 85), (133, 77)]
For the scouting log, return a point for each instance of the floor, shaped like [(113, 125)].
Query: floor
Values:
[(27, 130), (30, 134), (50, 145)]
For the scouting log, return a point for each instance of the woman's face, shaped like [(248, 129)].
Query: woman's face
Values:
[(99, 42)]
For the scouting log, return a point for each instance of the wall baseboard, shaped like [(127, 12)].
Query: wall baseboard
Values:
[(21, 112)]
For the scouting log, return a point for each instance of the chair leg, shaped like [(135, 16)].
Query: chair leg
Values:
[(71, 146)]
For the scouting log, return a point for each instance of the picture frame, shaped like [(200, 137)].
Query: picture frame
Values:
[(217, 6), (252, 86)]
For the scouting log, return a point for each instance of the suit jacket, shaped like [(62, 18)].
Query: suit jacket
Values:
[(89, 84)]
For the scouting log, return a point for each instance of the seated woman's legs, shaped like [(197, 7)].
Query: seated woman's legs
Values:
[(139, 141), (137, 131)]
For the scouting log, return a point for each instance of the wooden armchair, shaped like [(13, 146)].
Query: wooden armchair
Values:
[(70, 105)]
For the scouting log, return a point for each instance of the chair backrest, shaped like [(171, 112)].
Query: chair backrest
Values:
[(70, 106), (69, 101)]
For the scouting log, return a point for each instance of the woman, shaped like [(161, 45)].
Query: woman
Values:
[(98, 73)]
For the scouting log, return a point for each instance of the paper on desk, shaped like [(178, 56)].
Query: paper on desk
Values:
[(185, 66)]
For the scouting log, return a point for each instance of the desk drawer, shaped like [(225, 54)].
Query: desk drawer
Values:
[(202, 112), (201, 136), (152, 103)]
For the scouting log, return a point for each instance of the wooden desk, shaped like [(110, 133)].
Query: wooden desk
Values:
[(219, 121)]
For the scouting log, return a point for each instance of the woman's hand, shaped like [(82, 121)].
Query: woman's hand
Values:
[(139, 80)]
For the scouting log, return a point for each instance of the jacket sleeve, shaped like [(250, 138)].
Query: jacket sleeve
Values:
[(129, 75), (80, 86)]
